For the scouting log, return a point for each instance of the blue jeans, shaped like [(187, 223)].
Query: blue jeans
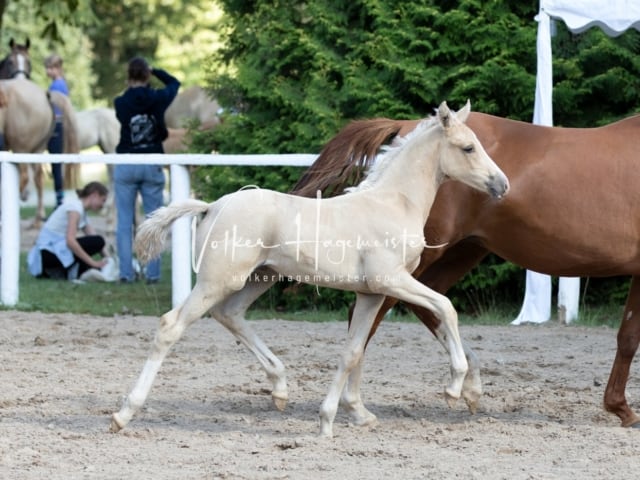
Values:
[(128, 181), (56, 145)]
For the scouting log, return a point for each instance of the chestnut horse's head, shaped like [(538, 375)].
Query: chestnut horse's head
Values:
[(17, 63)]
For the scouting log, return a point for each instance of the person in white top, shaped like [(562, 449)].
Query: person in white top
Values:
[(59, 251)]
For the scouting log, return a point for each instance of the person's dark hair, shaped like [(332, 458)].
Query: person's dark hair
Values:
[(139, 70), (92, 187)]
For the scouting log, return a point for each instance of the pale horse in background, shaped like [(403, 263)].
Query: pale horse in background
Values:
[(191, 108), (100, 127), (27, 121)]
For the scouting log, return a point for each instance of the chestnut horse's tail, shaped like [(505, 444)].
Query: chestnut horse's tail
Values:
[(152, 234), (345, 157)]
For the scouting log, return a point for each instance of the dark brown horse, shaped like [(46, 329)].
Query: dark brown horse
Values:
[(573, 210)]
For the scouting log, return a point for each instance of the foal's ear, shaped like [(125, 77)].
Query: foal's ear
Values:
[(463, 113), (444, 115)]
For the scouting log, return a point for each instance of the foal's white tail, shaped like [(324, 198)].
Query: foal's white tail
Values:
[(152, 234)]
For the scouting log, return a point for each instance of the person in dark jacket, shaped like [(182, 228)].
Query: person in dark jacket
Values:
[(140, 111)]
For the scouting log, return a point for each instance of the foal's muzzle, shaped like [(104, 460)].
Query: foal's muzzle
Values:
[(498, 186)]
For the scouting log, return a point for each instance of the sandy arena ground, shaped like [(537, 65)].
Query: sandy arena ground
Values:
[(209, 415)]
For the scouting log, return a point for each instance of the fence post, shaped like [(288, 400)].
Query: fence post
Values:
[(180, 239), (10, 249)]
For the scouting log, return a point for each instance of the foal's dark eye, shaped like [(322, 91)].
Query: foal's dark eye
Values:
[(468, 149)]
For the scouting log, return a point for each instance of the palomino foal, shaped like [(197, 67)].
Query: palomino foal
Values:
[(324, 242)]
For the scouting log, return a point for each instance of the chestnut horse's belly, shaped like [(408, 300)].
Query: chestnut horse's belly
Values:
[(567, 241)]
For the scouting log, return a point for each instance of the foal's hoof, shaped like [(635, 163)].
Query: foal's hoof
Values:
[(367, 420), (450, 399), (115, 426), (472, 402), (280, 402), (472, 405)]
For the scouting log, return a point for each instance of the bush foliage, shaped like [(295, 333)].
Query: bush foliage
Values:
[(295, 73)]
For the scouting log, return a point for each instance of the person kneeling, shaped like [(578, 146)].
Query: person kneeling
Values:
[(59, 252)]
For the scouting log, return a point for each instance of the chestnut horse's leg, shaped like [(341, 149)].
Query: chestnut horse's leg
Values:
[(628, 339)]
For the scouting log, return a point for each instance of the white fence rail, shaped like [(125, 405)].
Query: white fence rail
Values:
[(180, 189)]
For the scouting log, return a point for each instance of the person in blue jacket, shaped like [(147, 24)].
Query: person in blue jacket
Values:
[(140, 111), (53, 66)]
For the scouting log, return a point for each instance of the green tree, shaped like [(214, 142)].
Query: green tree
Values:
[(291, 74), (172, 34), (297, 73), (73, 46)]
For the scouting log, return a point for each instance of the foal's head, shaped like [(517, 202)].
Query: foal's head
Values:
[(17, 63), (462, 156)]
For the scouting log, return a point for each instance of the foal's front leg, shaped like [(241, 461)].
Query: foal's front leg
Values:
[(364, 314), (410, 290)]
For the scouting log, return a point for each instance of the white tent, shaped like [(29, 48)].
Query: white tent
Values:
[(614, 17)]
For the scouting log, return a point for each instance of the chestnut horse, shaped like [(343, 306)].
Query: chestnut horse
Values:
[(574, 210)]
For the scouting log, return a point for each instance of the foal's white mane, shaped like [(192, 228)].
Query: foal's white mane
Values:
[(390, 152)]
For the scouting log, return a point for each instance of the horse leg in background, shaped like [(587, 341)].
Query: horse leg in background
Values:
[(23, 169), (38, 180), (231, 314), (440, 276), (172, 326), (364, 313), (628, 339)]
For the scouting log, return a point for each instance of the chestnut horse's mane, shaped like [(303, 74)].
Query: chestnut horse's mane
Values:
[(343, 161)]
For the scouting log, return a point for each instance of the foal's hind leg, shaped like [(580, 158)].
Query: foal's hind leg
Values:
[(172, 326), (351, 399), (230, 313)]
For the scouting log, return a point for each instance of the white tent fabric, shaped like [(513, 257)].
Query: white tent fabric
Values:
[(614, 17)]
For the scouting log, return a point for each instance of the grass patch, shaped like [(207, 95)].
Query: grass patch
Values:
[(101, 299), (109, 299)]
